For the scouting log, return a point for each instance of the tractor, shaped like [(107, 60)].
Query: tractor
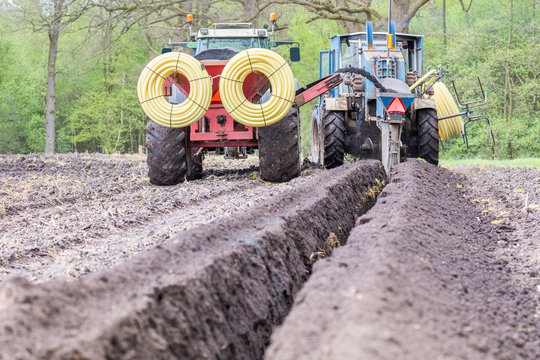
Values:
[(176, 153), (386, 108)]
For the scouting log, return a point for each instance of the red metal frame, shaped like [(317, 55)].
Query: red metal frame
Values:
[(317, 88), (217, 128)]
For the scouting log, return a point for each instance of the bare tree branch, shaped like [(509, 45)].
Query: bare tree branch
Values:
[(415, 8)]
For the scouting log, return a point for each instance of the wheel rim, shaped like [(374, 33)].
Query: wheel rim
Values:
[(315, 139)]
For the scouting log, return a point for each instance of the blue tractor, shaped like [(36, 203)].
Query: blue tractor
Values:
[(379, 111)]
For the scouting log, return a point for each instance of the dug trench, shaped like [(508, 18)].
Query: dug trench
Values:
[(426, 274), (213, 292)]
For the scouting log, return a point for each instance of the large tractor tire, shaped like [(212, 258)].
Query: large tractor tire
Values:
[(279, 148), (334, 137), (428, 135), (166, 154)]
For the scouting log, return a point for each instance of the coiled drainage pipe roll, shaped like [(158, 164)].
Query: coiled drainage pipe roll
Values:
[(446, 106), (151, 92), (278, 72)]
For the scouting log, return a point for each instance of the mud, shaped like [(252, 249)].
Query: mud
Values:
[(427, 273), (212, 292), (65, 216)]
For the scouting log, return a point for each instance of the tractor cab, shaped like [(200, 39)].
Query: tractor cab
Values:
[(238, 36), (369, 50), (220, 43)]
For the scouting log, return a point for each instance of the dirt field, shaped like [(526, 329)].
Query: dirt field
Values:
[(510, 197), (212, 292), (445, 265), (77, 214)]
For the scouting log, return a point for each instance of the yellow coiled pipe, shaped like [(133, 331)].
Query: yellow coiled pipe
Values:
[(447, 106), (279, 73), (151, 93)]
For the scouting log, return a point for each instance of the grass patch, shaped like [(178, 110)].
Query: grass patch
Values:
[(528, 162)]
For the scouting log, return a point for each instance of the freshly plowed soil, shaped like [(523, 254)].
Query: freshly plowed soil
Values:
[(213, 292), (442, 267), (510, 197), (68, 215), (96, 263)]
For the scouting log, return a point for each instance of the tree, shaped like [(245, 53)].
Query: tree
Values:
[(50, 16), (352, 13), (403, 11), (348, 13)]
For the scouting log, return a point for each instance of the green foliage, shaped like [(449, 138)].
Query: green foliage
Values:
[(105, 122), (22, 85), (479, 47), (35, 133), (512, 139), (98, 109), (96, 93), (10, 126), (4, 56)]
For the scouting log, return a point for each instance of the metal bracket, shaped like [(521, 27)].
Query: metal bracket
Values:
[(476, 118), (467, 114), (427, 85), (336, 104)]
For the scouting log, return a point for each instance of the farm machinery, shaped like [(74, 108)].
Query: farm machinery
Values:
[(386, 108), (232, 92)]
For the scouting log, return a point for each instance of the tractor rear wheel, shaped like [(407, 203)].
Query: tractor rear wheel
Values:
[(195, 165), (166, 154), (428, 135), (279, 148), (334, 137)]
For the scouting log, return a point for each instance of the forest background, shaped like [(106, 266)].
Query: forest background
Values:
[(81, 59)]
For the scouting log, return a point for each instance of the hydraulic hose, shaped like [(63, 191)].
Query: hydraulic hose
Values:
[(447, 106), (367, 75), (151, 92), (282, 86)]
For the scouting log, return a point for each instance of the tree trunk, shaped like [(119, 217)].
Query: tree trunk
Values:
[(444, 23), (400, 15), (50, 107), (534, 21), (149, 44), (250, 12), (403, 11), (107, 57)]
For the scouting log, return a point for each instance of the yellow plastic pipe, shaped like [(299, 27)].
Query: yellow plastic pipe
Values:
[(422, 79), (151, 92), (446, 106), (279, 73)]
